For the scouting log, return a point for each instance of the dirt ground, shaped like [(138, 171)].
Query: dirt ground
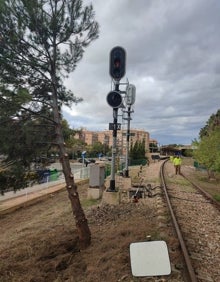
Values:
[(39, 243)]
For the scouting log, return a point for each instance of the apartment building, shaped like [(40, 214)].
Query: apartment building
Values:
[(105, 137)]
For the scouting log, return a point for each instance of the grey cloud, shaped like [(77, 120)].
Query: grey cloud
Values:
[(172, 59)]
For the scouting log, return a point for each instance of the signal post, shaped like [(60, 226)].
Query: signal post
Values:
[(117, 68), (130, 99)]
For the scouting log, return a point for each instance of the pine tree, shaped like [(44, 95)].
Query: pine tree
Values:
[(212, 124), (41, 42)]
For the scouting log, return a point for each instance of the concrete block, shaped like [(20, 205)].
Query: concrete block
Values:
[(94, 193), (111, 198)]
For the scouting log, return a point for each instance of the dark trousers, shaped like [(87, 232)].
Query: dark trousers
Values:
[(177, 169)]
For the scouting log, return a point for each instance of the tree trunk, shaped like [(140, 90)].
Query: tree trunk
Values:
[(81, 221), (211, 174)]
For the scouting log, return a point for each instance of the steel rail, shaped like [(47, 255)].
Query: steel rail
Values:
[(207, 195), (187, 258)]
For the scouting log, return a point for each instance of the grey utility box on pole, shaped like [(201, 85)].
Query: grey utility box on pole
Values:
[(96, 181)]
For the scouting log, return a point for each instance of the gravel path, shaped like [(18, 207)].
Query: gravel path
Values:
[(199, 222)]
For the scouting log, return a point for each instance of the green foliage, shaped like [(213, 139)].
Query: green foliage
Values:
[(212, 124), (97, 148), (208, 151), (188, 153), (217, 197), (153, 147), (90, 202), (41, 42), (138, 150), (21, 134), (67, 132), (135, 162), (13, 178), (12, 101)]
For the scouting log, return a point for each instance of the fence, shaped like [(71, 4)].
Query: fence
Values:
[(138, 162), (81, 173)]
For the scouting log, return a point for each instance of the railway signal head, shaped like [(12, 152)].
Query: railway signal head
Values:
[(114, 99), (117, 63), (130, 94)]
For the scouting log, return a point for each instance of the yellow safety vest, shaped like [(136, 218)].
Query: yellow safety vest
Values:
[(177, 161)]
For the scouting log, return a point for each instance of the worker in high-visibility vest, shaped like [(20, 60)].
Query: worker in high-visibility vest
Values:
[(177, 161)]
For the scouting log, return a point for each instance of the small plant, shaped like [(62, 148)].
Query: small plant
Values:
[(217, 197), (155, 235), (182, 182), (90, 202)]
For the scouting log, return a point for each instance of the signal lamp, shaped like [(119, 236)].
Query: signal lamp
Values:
[(114, 99), (117, 63)]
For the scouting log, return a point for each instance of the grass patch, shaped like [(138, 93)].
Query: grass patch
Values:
[(217, 197), (179, 181), (154, 180), (188, 161), (203, 178), (155, 235), (90, 202)]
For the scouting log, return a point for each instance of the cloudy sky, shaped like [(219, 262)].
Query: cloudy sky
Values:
[(173, 59)]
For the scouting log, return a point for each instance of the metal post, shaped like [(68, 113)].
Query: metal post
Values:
[(114, 141), (127, 142)]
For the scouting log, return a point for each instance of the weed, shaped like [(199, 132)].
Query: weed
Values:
[(179, 181), (90, 202), (217, 197)]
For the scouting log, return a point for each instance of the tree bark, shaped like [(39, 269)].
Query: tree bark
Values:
[(81, 221), (80, 218)]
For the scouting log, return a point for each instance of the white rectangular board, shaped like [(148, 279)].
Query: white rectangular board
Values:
[(149, 258)]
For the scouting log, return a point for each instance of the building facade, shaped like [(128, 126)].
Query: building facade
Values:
[(105, 137)]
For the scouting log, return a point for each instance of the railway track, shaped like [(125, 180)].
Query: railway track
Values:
[(196, 219)]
